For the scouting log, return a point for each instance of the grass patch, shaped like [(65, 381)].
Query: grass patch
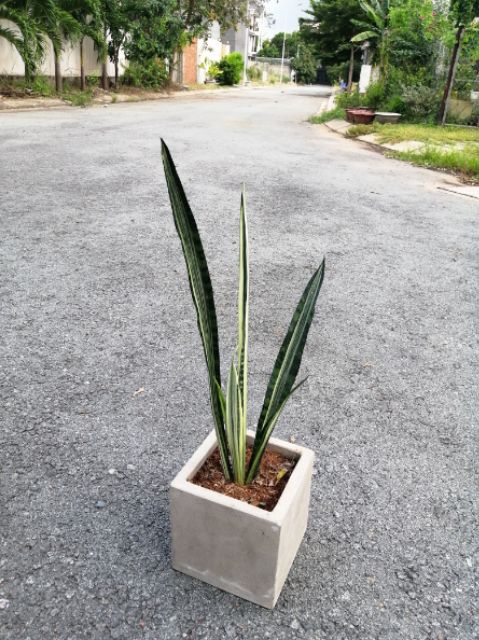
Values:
[(41, 86), (79, 98), (357, 130), (326, 116), (422, 133), (464, 162)]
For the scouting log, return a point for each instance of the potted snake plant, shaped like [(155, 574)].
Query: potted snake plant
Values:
[(239, 506)]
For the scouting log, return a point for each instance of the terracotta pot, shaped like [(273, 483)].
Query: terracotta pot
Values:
[(362, 116), (349, 111), (234, 545)]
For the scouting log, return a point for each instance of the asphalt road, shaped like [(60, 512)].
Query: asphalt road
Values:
[(103, 385)]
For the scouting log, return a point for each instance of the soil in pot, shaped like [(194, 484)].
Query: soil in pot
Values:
[(265, 490)]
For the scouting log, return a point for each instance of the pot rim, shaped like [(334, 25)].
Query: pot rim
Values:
[(304, 456)]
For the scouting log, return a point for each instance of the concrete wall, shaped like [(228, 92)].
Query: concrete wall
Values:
[(271, 68), (11, 63)]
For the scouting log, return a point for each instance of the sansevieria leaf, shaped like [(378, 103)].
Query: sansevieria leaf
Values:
[(229, 406), (286, 367), (202, 292)]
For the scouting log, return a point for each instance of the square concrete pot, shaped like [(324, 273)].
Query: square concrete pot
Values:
[(233, 545)]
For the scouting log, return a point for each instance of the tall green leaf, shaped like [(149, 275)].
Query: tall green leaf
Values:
[(243, 321), (364, 35), (236, 443), (202, 292), (286, 367), (257, 453), (243, 303)]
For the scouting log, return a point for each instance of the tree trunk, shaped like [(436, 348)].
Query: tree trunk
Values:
[(176, 60), (105, 83), (441, 116), (351, 69), (82, 67), (58, 74), (104, 76), (116, 68)]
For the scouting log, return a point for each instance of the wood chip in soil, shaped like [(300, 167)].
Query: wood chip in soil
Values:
[(265, 490)]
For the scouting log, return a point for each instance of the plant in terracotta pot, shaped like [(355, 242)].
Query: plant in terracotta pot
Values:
[(239, 507)]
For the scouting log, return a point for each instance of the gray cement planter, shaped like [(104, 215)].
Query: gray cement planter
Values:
[(235, 546), (387, 117)]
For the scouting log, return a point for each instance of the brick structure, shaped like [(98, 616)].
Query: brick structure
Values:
[(189, 73)]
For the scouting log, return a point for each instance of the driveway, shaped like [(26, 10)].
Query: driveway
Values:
[(103, 385)]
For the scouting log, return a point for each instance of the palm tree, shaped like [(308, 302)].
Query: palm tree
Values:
[(57, 23), (39, 21), (376, 27), (118, 16), (27, 38), (89, 17)]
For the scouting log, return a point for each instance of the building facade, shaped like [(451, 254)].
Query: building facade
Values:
[(247, 37)]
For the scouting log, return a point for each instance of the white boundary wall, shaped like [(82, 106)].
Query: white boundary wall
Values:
[(11, 63)]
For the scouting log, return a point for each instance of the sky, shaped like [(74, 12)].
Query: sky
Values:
[(286, 13)]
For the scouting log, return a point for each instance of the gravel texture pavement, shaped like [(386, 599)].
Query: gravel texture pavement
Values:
[(103, 388)]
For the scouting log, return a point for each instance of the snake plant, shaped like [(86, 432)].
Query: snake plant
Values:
[(229, 405)]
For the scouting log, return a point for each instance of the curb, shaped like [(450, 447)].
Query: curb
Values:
[(341, 127), (171, 95)]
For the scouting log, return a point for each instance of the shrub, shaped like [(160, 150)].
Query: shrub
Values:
[(42, 85), (254, 74), (420, 102), (151, 74), (213, 71), (231, 68), (79, 98), (375, 95), (395, 104), (93, 80), (347, 100)]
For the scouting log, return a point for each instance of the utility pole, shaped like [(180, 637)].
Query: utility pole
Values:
[(351, 69), (282, 57), (246, 43)]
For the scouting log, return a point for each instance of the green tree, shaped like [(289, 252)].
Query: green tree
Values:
[(304, 64), (464, 14), (159, 29), (118, 15), (57, 23), (39, 21), (89, 18), (329, 29), (274, 48), (376, 27), (156, 32)]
